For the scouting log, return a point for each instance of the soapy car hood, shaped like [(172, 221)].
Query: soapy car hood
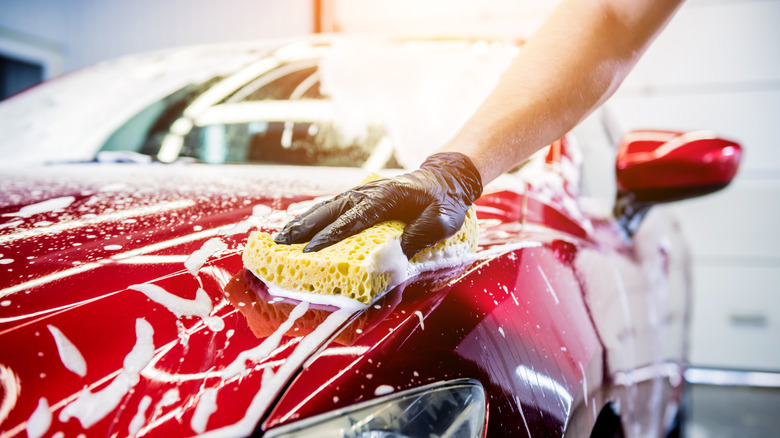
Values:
[(129, 280)]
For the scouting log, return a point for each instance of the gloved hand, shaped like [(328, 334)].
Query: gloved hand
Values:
[(432, 200)]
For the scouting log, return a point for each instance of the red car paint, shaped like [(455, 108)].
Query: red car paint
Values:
[(518, 319), (650, 162)]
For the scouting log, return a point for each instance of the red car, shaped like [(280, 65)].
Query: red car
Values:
[(129, 189)]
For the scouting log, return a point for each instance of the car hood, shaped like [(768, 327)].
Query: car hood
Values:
[(113, 295), (63, 223)]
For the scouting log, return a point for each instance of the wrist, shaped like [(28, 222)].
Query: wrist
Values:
[(476, 154), (459, 169)]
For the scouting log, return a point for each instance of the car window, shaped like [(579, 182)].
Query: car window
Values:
[(291, 81), (368, 103), (143, 132), (278, 117)]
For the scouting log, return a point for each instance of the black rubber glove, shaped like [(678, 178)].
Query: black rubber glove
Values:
[(432, 200)]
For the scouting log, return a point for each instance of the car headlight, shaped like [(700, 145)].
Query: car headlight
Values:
[(448, 409)]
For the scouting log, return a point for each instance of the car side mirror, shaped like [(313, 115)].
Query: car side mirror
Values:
[(663, 166)]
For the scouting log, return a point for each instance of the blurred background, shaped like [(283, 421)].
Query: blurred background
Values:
[(716, 67)]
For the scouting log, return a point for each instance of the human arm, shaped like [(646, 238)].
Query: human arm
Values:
[(569, 67)]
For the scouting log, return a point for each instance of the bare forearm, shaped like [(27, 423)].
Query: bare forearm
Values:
[(570, 66)]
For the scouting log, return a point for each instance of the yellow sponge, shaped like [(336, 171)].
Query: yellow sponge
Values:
[(361, 267)]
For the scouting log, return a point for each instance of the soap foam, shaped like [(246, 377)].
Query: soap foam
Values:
[(43, 207), (238, 366), (11, 224), (383, 390), (40, 420), (207, 404), (201, 306), (420, 316), (442, 258), (261, 210), (339, 301), (140, 417), (89, 407), (242, 227), (197, 259), (170, 397), (10, 387), (390, 259), (70, 355)]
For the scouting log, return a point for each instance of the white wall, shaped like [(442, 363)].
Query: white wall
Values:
[(102, 29), (34, 31), (88, 31), (42, 19), (717, 67)]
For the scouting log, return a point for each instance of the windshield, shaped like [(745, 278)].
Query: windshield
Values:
[(278, 117), (370, 104)]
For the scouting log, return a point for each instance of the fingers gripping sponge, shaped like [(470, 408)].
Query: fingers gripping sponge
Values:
[(361, 267)]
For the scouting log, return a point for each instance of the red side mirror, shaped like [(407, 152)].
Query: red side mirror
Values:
[(663, 166)]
